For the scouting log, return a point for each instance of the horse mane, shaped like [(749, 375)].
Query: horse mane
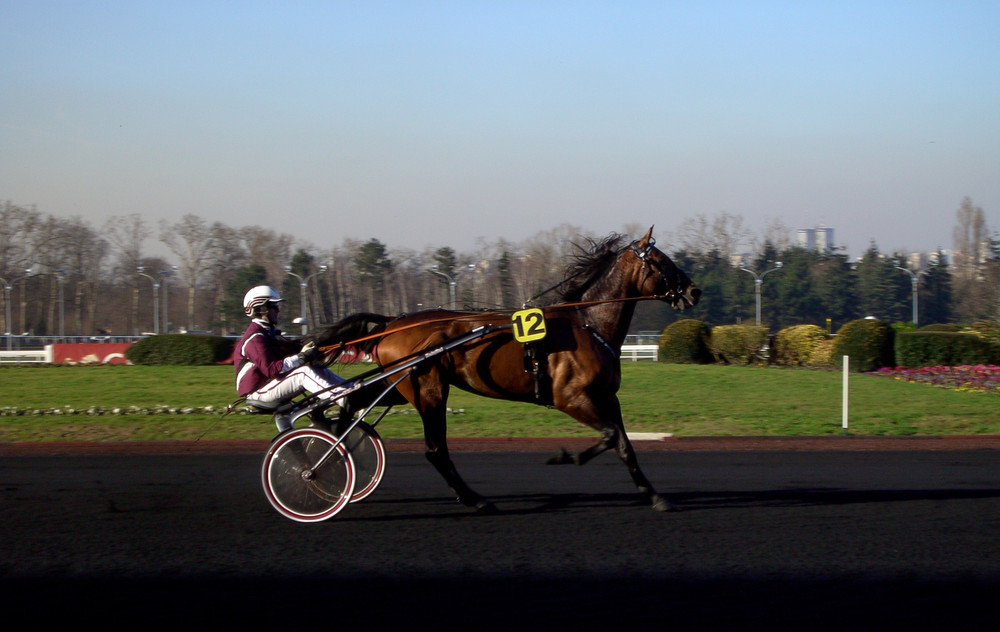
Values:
[(351, 328), (589, 265)]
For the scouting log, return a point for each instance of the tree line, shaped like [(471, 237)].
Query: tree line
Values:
[(63, 276)]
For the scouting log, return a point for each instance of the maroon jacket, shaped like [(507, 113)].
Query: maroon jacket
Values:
[(259, 357)]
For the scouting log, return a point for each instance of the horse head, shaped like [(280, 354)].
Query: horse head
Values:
[(658, 276)]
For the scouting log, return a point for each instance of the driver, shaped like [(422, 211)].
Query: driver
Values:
[(263, 372)]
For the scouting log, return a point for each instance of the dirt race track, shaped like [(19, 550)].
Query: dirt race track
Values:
[(773, 533)]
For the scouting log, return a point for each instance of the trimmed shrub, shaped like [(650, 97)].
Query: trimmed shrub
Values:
[(686, 342), (869, 343), (984, 329), (796, 345), (187, 349), (822, 355), (942, 348), (737, 344), (941, 327)]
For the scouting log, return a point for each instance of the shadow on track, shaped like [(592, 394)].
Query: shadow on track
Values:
[(541, 503)]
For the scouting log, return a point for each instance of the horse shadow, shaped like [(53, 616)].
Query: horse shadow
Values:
[(689, 501)]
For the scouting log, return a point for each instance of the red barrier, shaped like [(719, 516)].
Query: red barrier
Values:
[(90, 353)]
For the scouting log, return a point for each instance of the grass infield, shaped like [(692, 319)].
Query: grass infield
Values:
[(141, 403)]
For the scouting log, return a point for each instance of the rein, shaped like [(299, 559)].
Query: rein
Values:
[(341, 345)]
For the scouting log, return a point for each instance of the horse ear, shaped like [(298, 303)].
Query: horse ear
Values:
[(647, 237)]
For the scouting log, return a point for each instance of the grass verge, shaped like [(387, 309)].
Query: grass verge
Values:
[(682, 400)]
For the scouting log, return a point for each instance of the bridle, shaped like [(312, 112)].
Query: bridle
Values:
[(644, 255)]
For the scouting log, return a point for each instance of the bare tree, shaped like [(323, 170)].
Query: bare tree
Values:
[(721, 234), (17, 225), (226, 256), (83, 257), (268, 248), (970, 239), (48, 242), (974, 296), (127, 234), (775, 232), (191, 240)]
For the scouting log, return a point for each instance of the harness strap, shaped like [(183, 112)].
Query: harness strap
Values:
[(600, 339)]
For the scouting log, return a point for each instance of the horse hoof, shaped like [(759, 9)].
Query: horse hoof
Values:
[(486, 508), (563, 458), (662, 504)]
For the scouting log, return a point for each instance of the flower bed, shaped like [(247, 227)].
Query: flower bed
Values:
[(979, 378)]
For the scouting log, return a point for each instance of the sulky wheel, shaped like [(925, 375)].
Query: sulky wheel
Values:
[(305, 478), (368, 455)]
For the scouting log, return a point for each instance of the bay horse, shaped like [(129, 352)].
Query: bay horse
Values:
[(580, 370)]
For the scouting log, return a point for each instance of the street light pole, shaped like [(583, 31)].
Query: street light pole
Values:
[(156, 299), (166, 297), (303, 286), (7, 287), (758, 282), (914, 287), (451, 282), (61, 277)]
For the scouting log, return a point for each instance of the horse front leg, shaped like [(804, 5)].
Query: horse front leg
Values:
[(627, 454), (565, 457), (608, 420)]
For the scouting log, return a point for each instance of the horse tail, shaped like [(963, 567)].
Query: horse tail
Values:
[(357, 331)]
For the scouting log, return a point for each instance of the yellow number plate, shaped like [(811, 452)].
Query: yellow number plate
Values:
[(529, 325)]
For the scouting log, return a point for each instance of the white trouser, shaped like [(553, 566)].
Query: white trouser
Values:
[(305, 378)]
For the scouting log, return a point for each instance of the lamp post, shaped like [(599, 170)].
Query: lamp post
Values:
[(758, 281), (451, 282), (61, 277), (165, 274), (7, 287), (304, 285), (914, 283), (156, 299)]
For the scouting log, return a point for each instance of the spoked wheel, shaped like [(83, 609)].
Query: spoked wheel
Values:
[(305, 478), (368, 455)]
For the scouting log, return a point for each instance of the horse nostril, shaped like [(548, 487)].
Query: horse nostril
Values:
[(695, 292)]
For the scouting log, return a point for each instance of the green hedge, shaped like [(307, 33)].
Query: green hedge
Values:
[(737, 344), (800, 345), (941, 327), (686, 342), (188, 349), (942, 348), (869, 343), (985, 329)]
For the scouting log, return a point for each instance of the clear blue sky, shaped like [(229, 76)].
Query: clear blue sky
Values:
[(435, 123)]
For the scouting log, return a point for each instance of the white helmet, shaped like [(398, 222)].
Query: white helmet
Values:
[(258, 296)]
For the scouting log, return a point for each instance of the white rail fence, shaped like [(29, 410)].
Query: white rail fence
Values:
[(26, 357), (632, 351), (635, 353)]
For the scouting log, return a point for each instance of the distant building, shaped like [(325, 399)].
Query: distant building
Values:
[(813, 239)]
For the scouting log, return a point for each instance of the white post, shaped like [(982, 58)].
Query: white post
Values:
[(844, 403)]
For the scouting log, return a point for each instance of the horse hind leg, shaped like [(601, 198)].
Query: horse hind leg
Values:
[(431, 403), (443, 464)]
